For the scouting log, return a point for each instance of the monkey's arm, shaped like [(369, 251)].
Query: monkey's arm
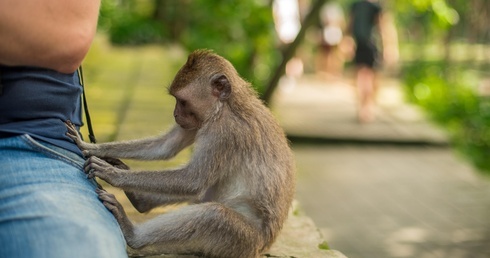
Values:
[(151, 148), (187, 181), (146, 201)]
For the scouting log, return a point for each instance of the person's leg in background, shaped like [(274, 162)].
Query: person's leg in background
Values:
[(365, 59), (366, 85)]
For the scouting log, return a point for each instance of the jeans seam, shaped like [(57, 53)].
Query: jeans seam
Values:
[(49, 152)]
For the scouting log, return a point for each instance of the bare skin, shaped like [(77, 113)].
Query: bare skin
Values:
[(240, 179), (50, 33)]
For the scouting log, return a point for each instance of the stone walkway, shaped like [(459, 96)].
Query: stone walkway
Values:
[(325, 110), (392, 188)]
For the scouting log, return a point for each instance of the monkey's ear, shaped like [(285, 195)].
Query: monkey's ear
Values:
[(221, 86)]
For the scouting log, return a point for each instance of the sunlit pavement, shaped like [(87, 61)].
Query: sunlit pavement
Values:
[(393, 188)]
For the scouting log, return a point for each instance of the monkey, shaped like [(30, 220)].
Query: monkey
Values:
[(238, 183)]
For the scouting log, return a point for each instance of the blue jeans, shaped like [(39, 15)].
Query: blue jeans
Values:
[(48, 208)]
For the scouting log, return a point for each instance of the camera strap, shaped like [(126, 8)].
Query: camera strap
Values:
[(91, 135)]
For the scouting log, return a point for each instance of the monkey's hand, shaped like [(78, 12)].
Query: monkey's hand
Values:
[(117, 163), (86, 148), (97, 167)]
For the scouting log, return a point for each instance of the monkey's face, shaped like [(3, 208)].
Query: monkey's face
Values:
[(200, 88), (192, 106), (184, 114)]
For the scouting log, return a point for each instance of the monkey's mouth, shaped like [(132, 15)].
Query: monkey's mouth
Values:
[(187, 127)]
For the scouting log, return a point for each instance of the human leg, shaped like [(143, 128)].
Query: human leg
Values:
[(47, 206), (366, 93)]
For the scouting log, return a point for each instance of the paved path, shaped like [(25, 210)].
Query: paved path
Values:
[(326, 110), (410, 197)]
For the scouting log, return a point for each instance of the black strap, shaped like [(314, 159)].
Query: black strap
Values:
[(1, 86), (91, 135)]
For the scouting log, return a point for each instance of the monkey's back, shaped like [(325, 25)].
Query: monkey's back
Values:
[(242, 149), (263, 164)]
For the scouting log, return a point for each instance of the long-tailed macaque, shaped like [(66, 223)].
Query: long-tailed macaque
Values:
[(239, 181)]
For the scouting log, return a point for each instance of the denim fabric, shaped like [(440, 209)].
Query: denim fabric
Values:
[(48, 208)]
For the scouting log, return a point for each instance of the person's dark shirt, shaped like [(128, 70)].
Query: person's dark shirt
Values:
[(364, 15), (37, 101)]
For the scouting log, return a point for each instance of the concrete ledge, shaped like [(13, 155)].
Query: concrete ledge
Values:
[(299, 238)]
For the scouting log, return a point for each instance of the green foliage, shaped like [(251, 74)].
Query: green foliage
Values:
[(241, 31), (245, 37), (449, 95), (135, 30), (127, 25), (425, 19)]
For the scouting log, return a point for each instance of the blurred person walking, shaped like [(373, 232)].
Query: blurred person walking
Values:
[(367, 18)]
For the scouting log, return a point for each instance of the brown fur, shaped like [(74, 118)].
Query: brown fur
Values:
[(240, 177)]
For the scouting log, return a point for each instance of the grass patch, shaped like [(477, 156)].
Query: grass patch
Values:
[(324, 246)]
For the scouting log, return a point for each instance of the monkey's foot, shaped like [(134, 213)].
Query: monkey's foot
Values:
[(113, 205), (110, 202)]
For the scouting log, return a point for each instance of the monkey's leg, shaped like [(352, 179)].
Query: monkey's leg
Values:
[(209, 228), (145, 201)]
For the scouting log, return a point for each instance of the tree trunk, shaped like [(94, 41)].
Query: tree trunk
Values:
[(289, 51)]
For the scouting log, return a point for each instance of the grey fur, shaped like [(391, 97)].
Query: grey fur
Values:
[(240, 179)]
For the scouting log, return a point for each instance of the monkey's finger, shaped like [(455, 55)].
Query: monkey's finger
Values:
[(71, 136), (90, 162), (68, 123), (72, 132), (117, 163), (100, 190), (91, 168), (112, 208), (87, 166), (109, 199), (71, 128), (98, 161), (106, 197), (90, 174)]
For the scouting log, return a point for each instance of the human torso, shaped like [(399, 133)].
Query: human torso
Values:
[(37, 101)]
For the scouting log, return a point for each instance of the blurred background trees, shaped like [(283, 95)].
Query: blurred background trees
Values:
[(443, 45), (241, 31)]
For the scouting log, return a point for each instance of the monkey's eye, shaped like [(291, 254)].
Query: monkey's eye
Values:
[(183, 103)]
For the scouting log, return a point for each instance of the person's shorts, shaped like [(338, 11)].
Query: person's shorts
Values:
[(366, 54)]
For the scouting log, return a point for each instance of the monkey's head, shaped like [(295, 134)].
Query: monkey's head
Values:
[(201, 87)]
